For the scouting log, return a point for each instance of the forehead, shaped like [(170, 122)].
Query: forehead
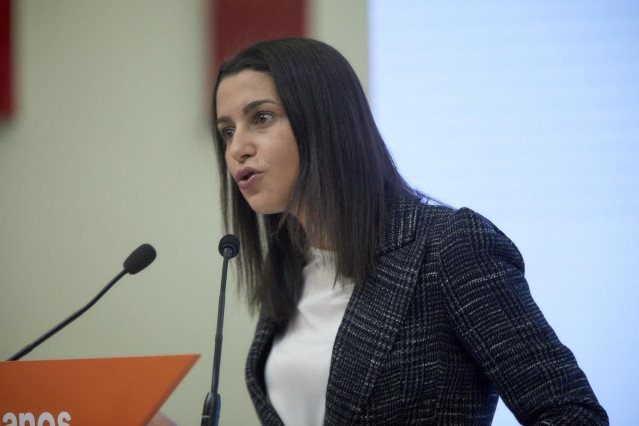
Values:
[(246, 86)]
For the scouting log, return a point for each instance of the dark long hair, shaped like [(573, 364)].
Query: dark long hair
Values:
[(347, 183)]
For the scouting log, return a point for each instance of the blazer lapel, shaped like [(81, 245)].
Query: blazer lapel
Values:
[(260, 348), (373, 318)]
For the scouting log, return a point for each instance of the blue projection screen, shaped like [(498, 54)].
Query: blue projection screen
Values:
[(528, 112)]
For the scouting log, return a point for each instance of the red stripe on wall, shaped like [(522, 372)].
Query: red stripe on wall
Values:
[(240, 23), (6, 66)]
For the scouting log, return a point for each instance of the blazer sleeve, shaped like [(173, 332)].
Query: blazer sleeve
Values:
[(495, 318)]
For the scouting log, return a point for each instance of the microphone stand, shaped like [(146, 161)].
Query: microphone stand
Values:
[(212, 403), (139, 259), (66, 322)]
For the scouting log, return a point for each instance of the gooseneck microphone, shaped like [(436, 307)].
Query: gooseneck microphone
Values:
[(139, 259), (229, 247)]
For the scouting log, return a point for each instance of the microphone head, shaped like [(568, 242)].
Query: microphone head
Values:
[(139, 259), (229, 246)]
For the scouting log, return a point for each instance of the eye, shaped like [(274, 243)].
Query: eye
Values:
[(262, 118), (227, 133)]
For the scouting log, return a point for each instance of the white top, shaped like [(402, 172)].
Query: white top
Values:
[(296, 372)]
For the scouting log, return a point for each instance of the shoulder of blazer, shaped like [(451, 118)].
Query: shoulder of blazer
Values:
[(410, 218)]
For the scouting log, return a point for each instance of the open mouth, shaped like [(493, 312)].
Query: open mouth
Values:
[(246, 175)]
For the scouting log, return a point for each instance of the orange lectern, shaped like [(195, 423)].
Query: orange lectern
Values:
[(100, 391)]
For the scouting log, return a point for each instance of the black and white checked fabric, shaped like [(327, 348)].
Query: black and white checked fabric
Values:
[(445, 326)]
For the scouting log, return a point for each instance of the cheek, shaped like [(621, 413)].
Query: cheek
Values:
[(227, 159), (291, 159), (294, 162)]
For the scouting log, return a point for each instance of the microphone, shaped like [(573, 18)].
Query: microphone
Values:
[(229, 247), (139, 259)]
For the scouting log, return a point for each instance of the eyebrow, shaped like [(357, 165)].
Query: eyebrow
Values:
[(251, 106)]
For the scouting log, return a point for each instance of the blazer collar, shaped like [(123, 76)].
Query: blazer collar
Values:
[(401, 226)]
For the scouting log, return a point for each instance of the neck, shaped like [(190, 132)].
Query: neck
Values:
[(320, 240)]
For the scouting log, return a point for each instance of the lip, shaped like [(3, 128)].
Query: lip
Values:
[(246, 177)]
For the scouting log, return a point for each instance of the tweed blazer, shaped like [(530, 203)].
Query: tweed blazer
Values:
[(444, 326)]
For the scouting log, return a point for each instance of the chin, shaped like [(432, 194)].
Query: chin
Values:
[(264, 209), (264, 203)]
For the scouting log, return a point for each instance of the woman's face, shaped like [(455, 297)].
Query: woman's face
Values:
[(261, 150)]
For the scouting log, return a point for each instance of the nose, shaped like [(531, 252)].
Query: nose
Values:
[(242, 146)]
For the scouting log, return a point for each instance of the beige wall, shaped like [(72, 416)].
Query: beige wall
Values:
[(109, 149), (344, 25)]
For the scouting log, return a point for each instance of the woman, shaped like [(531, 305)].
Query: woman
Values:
[(377, 306)]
